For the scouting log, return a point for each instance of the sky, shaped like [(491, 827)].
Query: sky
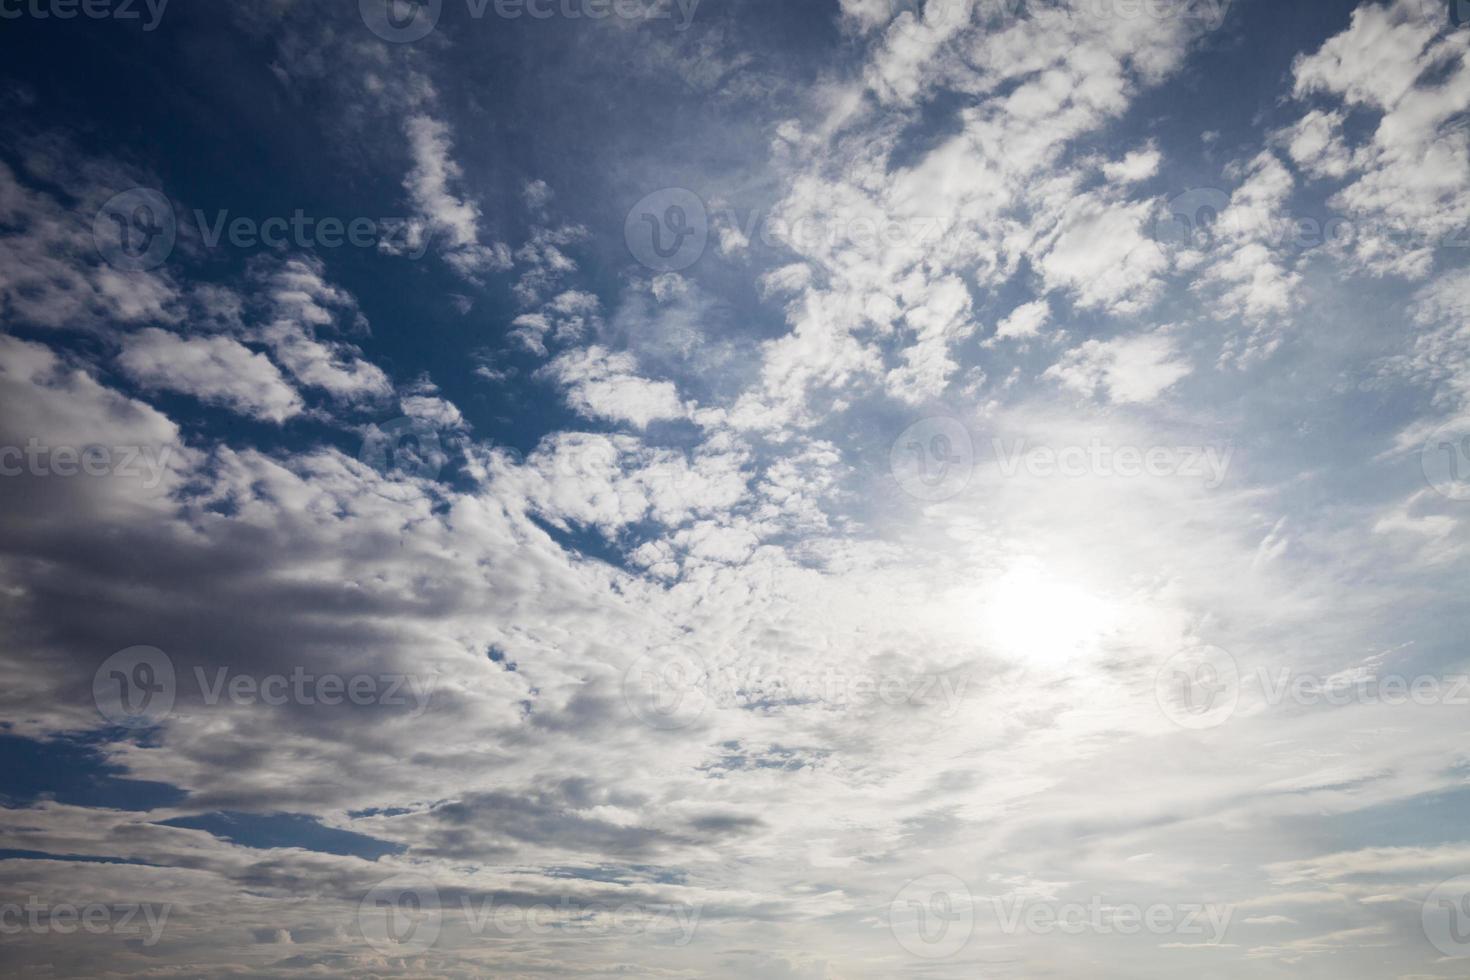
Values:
[(833, 489)]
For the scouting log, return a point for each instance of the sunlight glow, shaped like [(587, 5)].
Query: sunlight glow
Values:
[(1041, 619)]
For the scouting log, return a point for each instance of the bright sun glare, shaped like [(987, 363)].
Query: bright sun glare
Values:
[(1037, 618)]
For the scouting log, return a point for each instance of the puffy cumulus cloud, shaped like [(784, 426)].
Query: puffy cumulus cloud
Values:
[(1026, 320), (612, 482), (1137, 166), (1130, 369), (566, 318), (1441, 355), (601, 384), (1406, 179), (52, 273), (1100, 251), (56, 402), (560, 790), (441, 213), (889, 240), (761, 675), (216, 370), (301, 304)]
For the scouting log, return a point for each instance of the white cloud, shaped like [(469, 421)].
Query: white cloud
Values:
[(1025, 320), (1131, 369), (1408, 189), (1139, 165), (442, 213), (216, 370), (303, 304), (601, 384)]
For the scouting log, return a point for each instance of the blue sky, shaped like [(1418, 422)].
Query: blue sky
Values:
[(726, 488)]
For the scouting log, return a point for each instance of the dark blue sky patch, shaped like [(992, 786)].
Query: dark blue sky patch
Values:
[(286, 830), (72, 771), (392, 811)]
